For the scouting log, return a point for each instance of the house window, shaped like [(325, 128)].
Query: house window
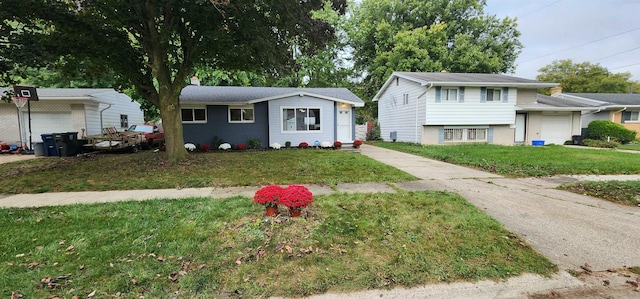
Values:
[(460, 135), (493, 95), (405, 99), (194, 115), (241, 114), (450, 94), (300, 119), (124, 121), (630, 116)]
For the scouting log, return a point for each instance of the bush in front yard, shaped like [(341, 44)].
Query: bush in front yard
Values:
[(600, 143), (604, 129)]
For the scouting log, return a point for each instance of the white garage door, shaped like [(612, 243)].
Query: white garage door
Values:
[(46, 123), (556, 129)]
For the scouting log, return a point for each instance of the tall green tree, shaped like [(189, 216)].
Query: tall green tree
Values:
[(586, 77), (156, 44), (429, 36)]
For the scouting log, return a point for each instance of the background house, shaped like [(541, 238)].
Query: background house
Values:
[(442, 108), (619, 108), (61, 110), (271, 114)]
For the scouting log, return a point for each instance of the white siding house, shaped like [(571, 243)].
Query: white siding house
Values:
[(449, 108), (61, 110)]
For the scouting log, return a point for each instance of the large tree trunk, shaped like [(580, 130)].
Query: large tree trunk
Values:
[(172, 124)]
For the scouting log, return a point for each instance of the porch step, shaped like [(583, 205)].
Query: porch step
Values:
[(349, 148)]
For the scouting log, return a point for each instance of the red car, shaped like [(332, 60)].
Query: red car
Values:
[(152, 135)]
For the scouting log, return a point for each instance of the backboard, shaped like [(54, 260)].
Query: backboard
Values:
[(28, 92)]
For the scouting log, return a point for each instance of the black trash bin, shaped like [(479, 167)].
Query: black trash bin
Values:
[(67, 143), (577, 139), (50, 147)]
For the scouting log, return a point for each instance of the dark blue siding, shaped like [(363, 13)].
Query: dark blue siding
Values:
[(218, 125)]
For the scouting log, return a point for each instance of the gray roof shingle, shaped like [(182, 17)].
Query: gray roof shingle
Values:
[(611, 98), (564, 101), (465, 78), (246, 95)]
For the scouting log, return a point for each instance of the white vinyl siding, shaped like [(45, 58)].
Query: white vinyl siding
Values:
[(472, 111), (405, 120), (326, 120)]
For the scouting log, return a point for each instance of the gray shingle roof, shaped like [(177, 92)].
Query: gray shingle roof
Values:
[(611, 98), (468, 78), (564, 101), (247, 95)]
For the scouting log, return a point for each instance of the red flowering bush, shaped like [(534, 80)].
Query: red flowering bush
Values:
[(296, 197), (337, 144), (205, 147), (357, 143), (269, 196), (303, 145), (241, 146)]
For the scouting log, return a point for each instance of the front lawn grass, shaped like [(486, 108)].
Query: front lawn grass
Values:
[(631, 147), (526, 161), (205, 248), (622, 192), (149, 170)]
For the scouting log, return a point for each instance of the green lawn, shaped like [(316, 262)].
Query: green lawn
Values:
[(622, 192), (631, 147), (523, 161), (205, 248), (148, 170)]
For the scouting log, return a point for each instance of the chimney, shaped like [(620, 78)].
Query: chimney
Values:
[(195, 81), (556, 89)]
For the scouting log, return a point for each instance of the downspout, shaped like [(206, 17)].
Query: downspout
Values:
[(101, 126), (613, 115), (416, 117)]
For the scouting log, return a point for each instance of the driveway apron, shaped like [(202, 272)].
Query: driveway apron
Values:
[(567, 228)]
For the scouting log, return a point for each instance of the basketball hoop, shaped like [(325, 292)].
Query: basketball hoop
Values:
[(19, 101)]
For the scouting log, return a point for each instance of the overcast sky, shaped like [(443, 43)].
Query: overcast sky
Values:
[(598, 31)]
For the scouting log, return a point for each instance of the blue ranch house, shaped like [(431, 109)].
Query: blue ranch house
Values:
[(271, 114)]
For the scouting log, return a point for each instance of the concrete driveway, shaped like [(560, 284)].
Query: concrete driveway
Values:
[(567, 228)]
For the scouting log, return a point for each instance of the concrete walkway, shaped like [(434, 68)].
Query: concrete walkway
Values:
[(567, 228)]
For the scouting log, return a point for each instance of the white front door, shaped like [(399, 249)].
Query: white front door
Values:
[(520, 128), (343, 124)]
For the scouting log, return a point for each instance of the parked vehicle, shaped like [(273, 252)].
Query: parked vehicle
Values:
[(152, 135)]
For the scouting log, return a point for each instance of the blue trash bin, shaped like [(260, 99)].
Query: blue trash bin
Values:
[(50, 148)]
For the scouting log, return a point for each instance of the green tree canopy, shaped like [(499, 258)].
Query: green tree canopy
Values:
[(156, 44), (586, 77), (429, 36)]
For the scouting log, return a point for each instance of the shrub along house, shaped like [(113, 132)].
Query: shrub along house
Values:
[(236, 114), (450, 108)]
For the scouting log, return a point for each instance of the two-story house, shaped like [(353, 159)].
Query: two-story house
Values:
[(449, 108)]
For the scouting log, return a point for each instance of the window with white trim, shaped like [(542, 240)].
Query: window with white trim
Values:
[(241, 114), (300, 119), (194, 115), (459, 135), (493, 95), (449, 94)]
